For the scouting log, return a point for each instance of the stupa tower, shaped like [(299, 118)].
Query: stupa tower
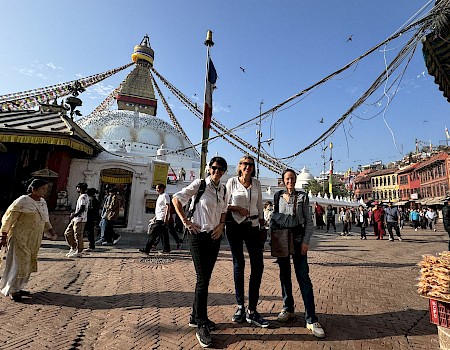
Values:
[(137, 93)]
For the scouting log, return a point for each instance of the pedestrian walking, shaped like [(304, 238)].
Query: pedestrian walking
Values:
[(430, 215), (206, 227), (247, 217), (158, 226), (109, 215), (93, 218), (362, 221), (299, 223), (378, 220), (331, 218), (75, 230), (318, 212), (414, 216), (23, 224), (446, 218), (392, 218)]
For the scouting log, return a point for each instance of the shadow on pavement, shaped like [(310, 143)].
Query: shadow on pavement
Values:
[(167, 299), (337, 327)]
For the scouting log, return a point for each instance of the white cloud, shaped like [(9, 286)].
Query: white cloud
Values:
[(99, 90), (31, 73), (52, 66)]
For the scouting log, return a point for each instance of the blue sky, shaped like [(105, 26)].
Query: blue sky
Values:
[(285, 46)]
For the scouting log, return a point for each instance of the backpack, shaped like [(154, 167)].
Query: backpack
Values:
[(201, 190), (190, 212)]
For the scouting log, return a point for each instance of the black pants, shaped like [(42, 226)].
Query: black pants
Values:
[(157, 230), (237, 234), (394, 225), (90, 231), (363, 232), (331, 221), (204, 251)]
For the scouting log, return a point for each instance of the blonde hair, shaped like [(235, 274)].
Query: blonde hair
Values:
[(247, 156)]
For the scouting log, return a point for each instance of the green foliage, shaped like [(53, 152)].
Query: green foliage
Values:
[(338, 187)]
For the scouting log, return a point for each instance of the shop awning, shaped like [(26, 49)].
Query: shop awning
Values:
[(400, 203)]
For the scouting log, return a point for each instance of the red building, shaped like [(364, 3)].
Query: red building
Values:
[(434, 178), (408, 184), (363, 185)]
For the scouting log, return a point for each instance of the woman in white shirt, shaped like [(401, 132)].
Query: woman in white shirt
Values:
[(206, 229), (247, 215)]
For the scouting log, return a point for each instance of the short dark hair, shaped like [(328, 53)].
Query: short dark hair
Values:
[(113, 189), (219, 160), (82, 186), (161, 185), (91, 191)]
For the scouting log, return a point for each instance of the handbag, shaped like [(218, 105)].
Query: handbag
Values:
[(282, 240), (282, 243)]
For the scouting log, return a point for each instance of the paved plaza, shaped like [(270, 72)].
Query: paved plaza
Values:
[(117, 298)]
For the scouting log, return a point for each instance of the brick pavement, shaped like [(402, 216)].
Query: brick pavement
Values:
[(115, 298)]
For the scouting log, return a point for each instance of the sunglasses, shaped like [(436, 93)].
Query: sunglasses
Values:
[(247, 164), (218, 168)]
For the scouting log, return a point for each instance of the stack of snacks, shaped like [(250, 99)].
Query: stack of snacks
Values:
[(434, 280)]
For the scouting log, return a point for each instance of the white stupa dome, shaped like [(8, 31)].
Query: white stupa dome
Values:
[(139, 131), (303, 178)]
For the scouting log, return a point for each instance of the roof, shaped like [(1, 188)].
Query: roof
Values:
[(440, 157), (49, 127), (436, 53), (407, 168), (383, 172)]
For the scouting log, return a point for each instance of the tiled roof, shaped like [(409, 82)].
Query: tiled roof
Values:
[(45, 128), (436, 52)]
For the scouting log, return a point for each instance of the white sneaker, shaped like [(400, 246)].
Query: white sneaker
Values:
[(400, 239), (434, 230), (284, 316), (316, 329), (74, 254), (117, 240), (415, 230), (71, 251)]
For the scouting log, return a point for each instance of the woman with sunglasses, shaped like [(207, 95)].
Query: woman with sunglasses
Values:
[(247, 216), (291, 211), (205, 227)]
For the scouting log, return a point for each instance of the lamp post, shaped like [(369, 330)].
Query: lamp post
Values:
[(259, 139)]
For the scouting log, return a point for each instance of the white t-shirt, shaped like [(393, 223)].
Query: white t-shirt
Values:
[(83, 199), (161, 204)]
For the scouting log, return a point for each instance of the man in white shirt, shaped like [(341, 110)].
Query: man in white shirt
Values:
[(158, 225), (75, 229)]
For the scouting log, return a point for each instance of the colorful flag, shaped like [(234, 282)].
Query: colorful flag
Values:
[(330, 178), (211, 78)]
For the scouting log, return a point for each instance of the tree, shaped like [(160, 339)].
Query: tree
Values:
[(338, 187)]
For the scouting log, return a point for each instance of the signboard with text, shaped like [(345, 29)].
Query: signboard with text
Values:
[(160, 172)]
